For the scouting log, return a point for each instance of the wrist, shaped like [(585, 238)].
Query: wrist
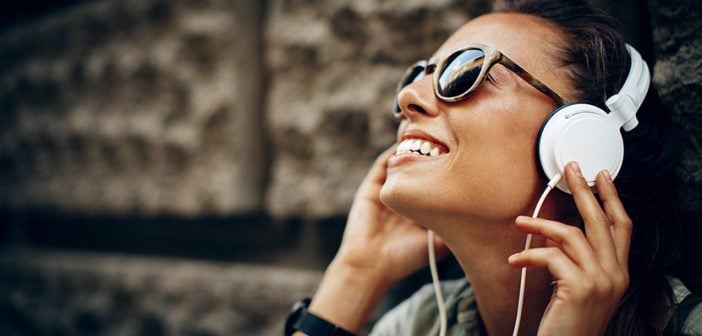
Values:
[(362, 262), (307, 323), (348, 294)]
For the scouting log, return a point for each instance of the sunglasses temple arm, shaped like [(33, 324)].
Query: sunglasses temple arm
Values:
[(537, 84)]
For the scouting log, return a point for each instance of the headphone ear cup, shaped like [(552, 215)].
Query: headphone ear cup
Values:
[(581, 133)]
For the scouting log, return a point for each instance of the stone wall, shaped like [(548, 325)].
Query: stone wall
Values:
[(349, 55), (678, 75), (61, 293), (266, 114), (135, 107), (153, 107)]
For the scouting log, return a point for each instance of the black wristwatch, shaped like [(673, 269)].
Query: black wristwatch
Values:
[(300, 319)]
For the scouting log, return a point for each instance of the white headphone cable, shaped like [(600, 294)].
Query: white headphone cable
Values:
[(437, 286), (522, 281)]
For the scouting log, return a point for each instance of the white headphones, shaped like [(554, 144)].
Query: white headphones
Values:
[(587, 134)]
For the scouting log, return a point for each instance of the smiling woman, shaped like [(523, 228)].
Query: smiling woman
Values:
[(604, 258)]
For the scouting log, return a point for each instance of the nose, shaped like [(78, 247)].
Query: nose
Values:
[(417, 99)]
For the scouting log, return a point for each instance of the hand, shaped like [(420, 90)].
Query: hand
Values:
[(378, 239), (379, 248), (589, 268)]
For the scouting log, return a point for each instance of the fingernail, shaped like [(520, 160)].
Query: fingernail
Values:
[(607, 176), (513, 257), (521, 218), (576, 168)]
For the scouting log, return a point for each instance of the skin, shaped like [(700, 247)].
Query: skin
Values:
[(473, 197)]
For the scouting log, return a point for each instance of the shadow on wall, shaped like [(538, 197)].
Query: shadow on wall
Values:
[(14, 13)]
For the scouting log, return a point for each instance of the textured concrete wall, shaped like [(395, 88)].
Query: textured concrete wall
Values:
[(153, 107), (94, 294), (678, 75), (134, 107), (334, 66)]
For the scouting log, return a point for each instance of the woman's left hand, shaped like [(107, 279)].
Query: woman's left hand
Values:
[(590, 268)]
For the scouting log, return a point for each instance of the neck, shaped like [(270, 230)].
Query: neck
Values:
[(482, 250)]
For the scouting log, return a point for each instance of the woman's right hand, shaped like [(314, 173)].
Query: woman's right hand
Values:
[(379, 248), (377, 239)]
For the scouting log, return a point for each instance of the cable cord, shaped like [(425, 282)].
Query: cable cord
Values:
[(522, 281), (437, 286)]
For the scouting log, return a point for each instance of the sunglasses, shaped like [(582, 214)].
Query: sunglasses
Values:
[(459, 75)]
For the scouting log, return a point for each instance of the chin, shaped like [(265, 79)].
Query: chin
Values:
[(427, 200), (406, 199)]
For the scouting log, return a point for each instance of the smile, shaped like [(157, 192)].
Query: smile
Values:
[(419, 146)]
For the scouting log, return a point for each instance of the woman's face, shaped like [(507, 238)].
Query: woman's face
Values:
[(487, 169)]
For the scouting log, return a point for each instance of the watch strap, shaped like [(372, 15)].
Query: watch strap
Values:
[(313, 325)]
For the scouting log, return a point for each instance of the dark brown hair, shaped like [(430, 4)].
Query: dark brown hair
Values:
[(596, 62)]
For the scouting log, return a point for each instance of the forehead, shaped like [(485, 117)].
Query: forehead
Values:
[(529, 41)]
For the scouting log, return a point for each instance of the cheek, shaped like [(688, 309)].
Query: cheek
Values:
[(499, 168), (516, 146), (401, 127), (503, 179)]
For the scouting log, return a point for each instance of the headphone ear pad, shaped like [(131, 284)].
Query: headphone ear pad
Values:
[(583, 133)]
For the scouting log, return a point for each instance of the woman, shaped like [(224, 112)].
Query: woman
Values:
[(478, 174)]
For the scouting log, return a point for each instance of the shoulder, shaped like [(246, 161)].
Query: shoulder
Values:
[(687, 316), (418, 314), (693, 322)]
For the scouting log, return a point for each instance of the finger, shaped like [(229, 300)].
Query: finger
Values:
[(551, 258), (570, 239), (621, 223), (378, 172), (563, 268), (597, 226), (380, 165)]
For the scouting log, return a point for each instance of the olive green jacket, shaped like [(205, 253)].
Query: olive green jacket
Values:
[(418, 315)]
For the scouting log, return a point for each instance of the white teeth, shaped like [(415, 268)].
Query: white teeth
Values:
[(400, 148), (408, 144), (418, 146), (434, 152), (425, 148)]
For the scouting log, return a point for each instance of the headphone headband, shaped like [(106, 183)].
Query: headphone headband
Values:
[(626, 102)]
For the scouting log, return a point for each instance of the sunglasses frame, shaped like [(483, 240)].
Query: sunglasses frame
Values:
[(492, 57)]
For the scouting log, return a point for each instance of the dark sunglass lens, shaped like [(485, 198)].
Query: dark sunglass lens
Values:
[(460, 72), (412, 75)]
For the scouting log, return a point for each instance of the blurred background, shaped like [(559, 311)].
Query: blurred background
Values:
[(185, 167)]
